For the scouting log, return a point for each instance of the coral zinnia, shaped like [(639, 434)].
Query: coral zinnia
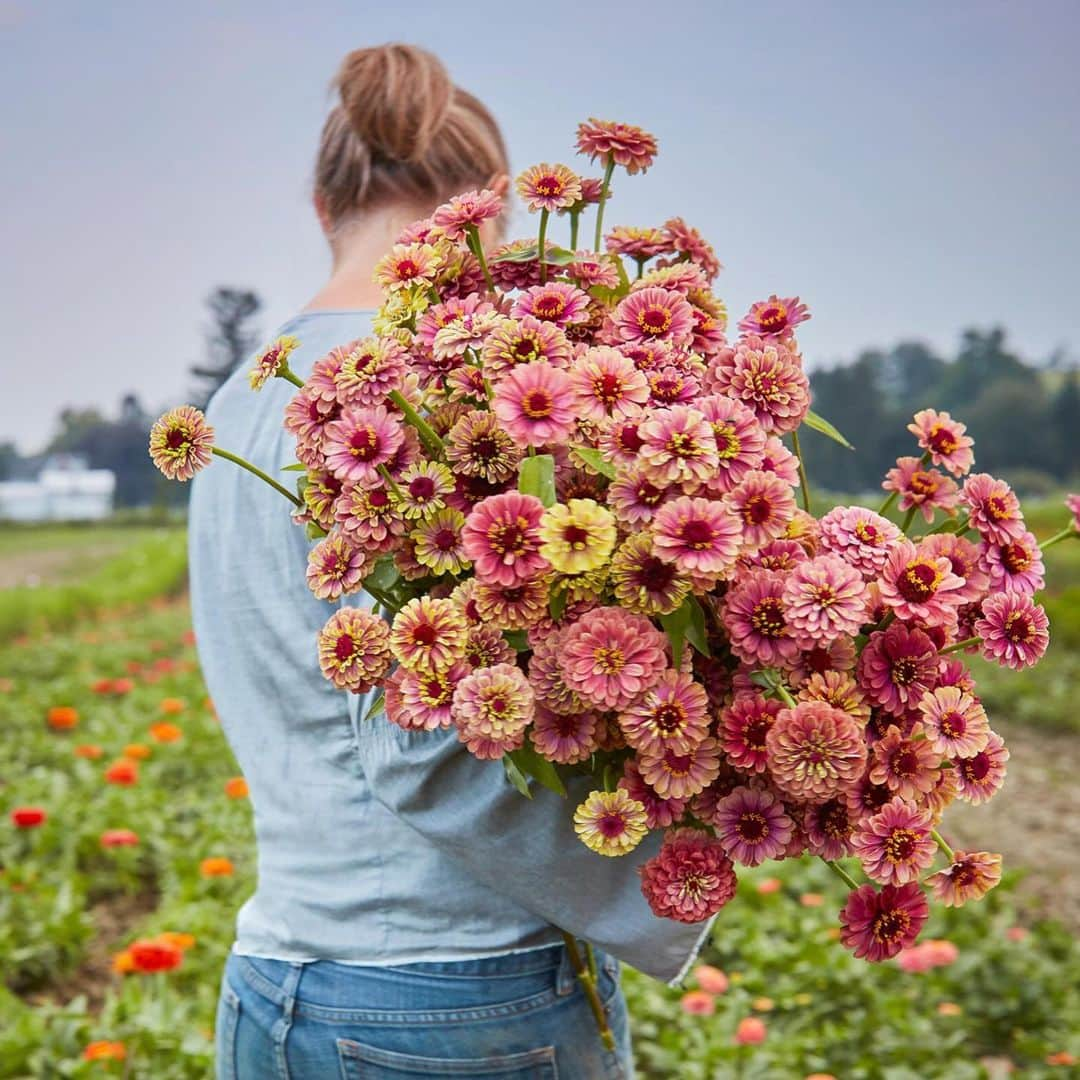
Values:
[(659, 812), (335, 567), (654, 314), (360, 441), (491, 709), (624, 144), (678, 446), (354, 649), (548, 187), (970, 876), (428, 634), (907, 764), (610, 822), (944, 439), (768, 378), (272, 360), (895, 844), (536, 404), (1014, 630), (180, 442), (502, 538), (697, 535), (897, 667), (877, 925), (566, 738), (675, 775), (673, 715), (919, 586), (815, 752), (774, 319), (606, 384), (764, 504), (980, 776), (466, 212), (558, 302), (824, 599), (688, 241), (755, 619), (1015, 566), (994, 508), (954, 721), (829, 828), (690, 879), (927, 489), (743, 727), (860, 537)]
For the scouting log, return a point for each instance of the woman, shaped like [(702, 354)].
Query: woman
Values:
[(408, 915)]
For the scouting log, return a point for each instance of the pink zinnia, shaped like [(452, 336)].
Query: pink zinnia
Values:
[(815, 752), (980, 776), (927, 489), (659, 812), (690, 879), (895, 845), (994, 508), (954, 721), (752, 826), (610, 141), (426, 698), (590, 269), (673, 715), (765, 506), (354, 649), (740, 439), (335, 567), (181, 442), (1014, 629), (637, 243), (778, 459), (919, 586), (970, 876), (897, 667), (674, 775), (964, 557), (906, 764), (1016, 565), (756, 621), (523, 341), (557, 302), (491, 709), (478, 447), (829, 828), (877, 925), (360, 441), (696, 535), (654, 315), (1072, 504), (860, 537), (369, 518), (944, 439), (368, 370), (545, 674), (466, 212), (633, 497), (743, 727), (536, 404), (565, 738), (678, 447), (766, 376), (429, 634), (774, 319), (306, 417), (824, 599), (688, 241), (548, 187), (607, 385), (502, 538), (611, 656)]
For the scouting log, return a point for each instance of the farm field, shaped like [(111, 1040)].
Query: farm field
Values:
[(146, 851)]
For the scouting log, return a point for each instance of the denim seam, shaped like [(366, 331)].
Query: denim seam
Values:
[(284, 1024), (329, 1015)]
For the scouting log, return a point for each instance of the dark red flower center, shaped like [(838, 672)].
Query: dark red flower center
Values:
[(975, 768), (508, 538), (421, 488), (655, 575), (757, 510), (752, 827), (669, 717), (1015, 558), (406, 268), (524, 349), (175, 439), (654, 320), (767, 617), (344, 647), (941, 440), (918, 582), (905, 763), (890, 925), (364, 443), (576, 536), (549, 306), (608, 388), (445, 539), (537, 404), (772, 317), (755, 731), (905, 671), (900, 845), (697, 534), (425, 634), (952, 725), (379, 499), (923, 484), (1019, 628), (611, 825)]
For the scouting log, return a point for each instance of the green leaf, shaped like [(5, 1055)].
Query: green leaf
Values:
[(529, 762), (557, 603), (818, 423), (695, 629), (595, 461), (556, 256), (537, 477), (377, 707), (384, 577), (517, 640), (675, 624), (295, 467), (516, 776), (314, 531)]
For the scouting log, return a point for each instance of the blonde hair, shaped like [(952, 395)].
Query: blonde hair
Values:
[(402, 131)]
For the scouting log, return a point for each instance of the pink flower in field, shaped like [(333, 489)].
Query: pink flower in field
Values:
[(678, 447), (672, 385), (743, 727), (750, 1031), (536, 404), (970, 876), (774, 319), (697, 535), (829, 828), (271, 360), (429, 634), (907, 764), (589, 269), (690, 879), (1014, 630), (752, 826), (838, 655), (824, 599), (565, 738), (918, 586), (360, 441), (557, 302), (491, 709), (740, 440), (486, 647), (610, 822), (368, 369), (459, 335), (523, 341), (673, 715), (756, 621), (768, 377), (1016, 565), (674, 775), (954, 721), (686, 240), (994, 508), (697, 1003), (335, 567), (637, 243), (181, 443), (1072, 504), (980, 776), (878, 924), (866, 798), (625, 144), (426, 697), (548, 187), (944, 439), (611, 656), (897, 666), (465, 212), (115, 838), (815, 752), (502, 538), (838, 689), (354, 649), (927, 955), (765, 506), (591, 189), (711, 979), (927, 489), (895, 845), (860, 537), (607, 385), (659, 812), (437, 317), (654, 315), (779, 555)]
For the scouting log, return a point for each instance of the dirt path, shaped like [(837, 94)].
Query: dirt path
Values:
[(51, 565), (1034, 821)]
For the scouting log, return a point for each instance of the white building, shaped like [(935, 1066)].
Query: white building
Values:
[(65, 490)]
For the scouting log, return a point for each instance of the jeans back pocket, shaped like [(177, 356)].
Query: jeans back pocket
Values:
[(362, 1062)]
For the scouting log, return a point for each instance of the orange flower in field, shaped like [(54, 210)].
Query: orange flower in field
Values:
[(88, 751), (103, 1050), (123, 963), (122, 686), (811, 899), (151, 955), (165, 732), (236, 787), (769, 885), (171, 706), (216, 866), (133, 667), (949, 1008), (62, 717), (750, 1031), (188, 637), (112, 838), (1062, 1057), (6, 686), (102, 686), (177, 940), (124, 772), (136, 751)]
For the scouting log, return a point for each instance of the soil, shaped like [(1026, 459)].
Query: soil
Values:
[(51, 565)]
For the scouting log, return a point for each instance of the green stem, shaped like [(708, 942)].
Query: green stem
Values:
[(384, 472), (478, 250), (383, 599), (961, 526), (428, 435), (841, 873), (640, 267), (909, 517), (784, 694), (588, 984), (575, 222), (1069, 530), (287, 373), (949, 854), (803, 482), (237, 460), (541, 246), (603, 199), (956, 646), (590, 956)]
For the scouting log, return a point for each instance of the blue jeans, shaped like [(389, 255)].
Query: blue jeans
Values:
[(517, 1017)]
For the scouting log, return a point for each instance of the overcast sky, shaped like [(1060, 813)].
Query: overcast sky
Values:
[(909, 168)]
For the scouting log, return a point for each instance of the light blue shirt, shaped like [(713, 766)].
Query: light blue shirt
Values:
[(375, 845)]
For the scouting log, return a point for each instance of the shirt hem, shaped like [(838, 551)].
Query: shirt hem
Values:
[(396, 961)]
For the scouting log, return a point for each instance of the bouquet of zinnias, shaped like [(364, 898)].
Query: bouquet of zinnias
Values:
[(570, 498)]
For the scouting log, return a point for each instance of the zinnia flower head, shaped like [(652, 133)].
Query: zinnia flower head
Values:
[(927, 489), (633, 497), (1014, 629), (512, 607), (970, 876), (678, 447), (491, 709), (679, 775), (829, 828), (944, 439), (502, 538), (764, 505), (437, 542), (686, 240), (690, 879), (897, 666), (463, 213), (824, 599), (637, 243), (994, 508), (273, 359), (577, 536), (954, 721), (625, 144), (659, 812), (180, 442), (369, 517), (557, 302), (642, 581), (768, 378), (697, 535), (150, 956), (756, 621), (335, 567), (740, 440), (895, 845), (743, 727), (523, 341), (361, 440), (980, 776), (354, 650), (368, 369), (423, 488), (878, 924), (429, 634), (104, 1050), (28, 817), (610, 822), (919, 586), (815, 752), (408, 264), (654, 315), (774, 319), (606, 384), (673, 715), (536, 404), (752, 825), (565, 738), (906, 764), (860, 537), (477, 446), (1014, 566)]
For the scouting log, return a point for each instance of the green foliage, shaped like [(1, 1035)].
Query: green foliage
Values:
[(536, 476)]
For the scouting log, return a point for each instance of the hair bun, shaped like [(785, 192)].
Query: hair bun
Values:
[(395, 97)]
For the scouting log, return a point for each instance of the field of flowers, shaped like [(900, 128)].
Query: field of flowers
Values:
[(126, 847)]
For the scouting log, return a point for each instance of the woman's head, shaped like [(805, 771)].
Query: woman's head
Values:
[(402, 134)]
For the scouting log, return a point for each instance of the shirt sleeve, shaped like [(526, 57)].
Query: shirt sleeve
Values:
[(525, 849)]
